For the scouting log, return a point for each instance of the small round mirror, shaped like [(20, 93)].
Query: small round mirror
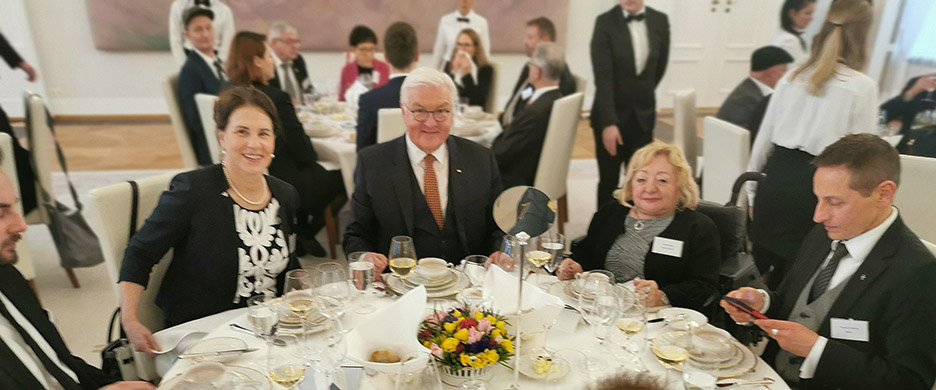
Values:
[(524, 209)]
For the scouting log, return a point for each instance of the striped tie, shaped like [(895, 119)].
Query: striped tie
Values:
[(821, 284), (432, 189)]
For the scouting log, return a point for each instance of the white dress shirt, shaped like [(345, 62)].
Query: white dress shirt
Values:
[(449, 27), (539, 92), (210, 61), (26, 355), (795, 119), (764, 89), (792, 44), (440, 166), (223, 24), (639, 40)]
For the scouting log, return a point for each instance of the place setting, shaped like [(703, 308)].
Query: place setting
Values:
[(436, 275)]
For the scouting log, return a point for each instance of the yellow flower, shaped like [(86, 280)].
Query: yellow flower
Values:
[(426, 344), (465, 360), (462, 334), (450, 327), (495, 333), (479, 315), (457, 314), (508, 345), (492, 355), (478, 362), (491, 319), (449, 344), (500, 326)]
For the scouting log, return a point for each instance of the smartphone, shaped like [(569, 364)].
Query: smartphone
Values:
[(744, 307)]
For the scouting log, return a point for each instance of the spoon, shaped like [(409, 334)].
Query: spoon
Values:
[(277, 341)]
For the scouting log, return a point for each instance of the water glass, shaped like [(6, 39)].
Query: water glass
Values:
[(362, 278), (473, 267), (332, 288), (262, 316)]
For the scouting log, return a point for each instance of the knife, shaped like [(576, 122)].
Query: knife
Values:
[(216, 353)]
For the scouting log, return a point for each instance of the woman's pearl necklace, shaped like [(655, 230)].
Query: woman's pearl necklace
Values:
[(230, 183)]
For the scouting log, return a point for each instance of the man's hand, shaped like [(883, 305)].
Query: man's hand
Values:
[(611, 138), (568, 268), (141, 338), (793, 337), (502, 260), (924, 83), (129, 385), (652, 290), (750, 296), (30, 72), (380, 263)]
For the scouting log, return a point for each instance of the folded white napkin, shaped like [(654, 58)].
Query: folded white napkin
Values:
[(353, 93), (393, 328), (539, 307)]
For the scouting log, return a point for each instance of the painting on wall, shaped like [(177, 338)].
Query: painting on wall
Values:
[(323, 25)]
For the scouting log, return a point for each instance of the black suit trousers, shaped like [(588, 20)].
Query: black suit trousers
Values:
[(609, 167)]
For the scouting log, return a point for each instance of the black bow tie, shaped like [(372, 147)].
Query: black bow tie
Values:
[(203, 3), (631, 18), (463, 20)]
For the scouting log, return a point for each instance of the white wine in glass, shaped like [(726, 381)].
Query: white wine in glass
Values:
[(402, 266), (402, 256), (538, 258), (301, 306), (288, 375)]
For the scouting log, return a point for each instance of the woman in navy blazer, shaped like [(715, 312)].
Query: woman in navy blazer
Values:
[(659, 194), (228, 226)]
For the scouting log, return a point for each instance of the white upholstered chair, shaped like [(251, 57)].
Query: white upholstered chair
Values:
[(171, 90), (580, 83), (552, 171), (491, 104), (8, 166), (726, 148), (389, 124), (205, 103), (930, 246), (915, 195), (684, 129)]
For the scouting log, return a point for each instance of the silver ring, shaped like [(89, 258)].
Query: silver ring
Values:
[(774, 331)]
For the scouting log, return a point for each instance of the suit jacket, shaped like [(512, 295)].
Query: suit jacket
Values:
[(619, 91), (906, 111), (688, 281), (299, 72), (196, 221), (196, 77), (757, 117), (293, 148), (893, 290), (382, 203), (740, 105), (13, 374), (387, 96), (518, 148), (566, 82), (475, 91), (9, 54)]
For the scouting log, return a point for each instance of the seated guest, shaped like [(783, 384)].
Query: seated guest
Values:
[(768, 65), (226, 224), (450, 25), (856, 310), (291, 74), (437, 189), (917, 96), (518, 148), (33, 353), (402, 51), (656, 205), (366, 69), (202, 73), (537, 30), (469, 67), (251, 64)]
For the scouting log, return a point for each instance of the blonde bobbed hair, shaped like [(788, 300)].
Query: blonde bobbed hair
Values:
[(841, 40), (688, 190)]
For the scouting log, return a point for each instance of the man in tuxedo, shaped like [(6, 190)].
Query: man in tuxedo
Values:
[(518, 148), (23, 167), (203, 72), (291, 74), (32, 351), (629, 52), (402, 51), (538, 30), (437, 189), (857, 309), (768, 65)]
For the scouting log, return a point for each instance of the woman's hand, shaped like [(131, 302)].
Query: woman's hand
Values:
[(462, 63), (568, 269), (502, 260), (652, 290), (141, 337), (924, 83)]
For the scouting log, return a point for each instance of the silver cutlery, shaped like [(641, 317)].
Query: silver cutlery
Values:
[(743, 382), (277, 341), (216, 353)]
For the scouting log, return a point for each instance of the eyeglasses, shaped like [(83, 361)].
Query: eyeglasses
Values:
[(420, 115), (288, 41)]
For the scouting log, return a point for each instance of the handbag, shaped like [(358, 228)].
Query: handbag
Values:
[(117, 357), (76, 243)]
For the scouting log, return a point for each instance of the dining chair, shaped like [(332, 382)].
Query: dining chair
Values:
[(684, 128), (580, 83), (389, 124), (490, 105), (915, 195), (929, 245), (171, 90), (552, 170), (24, 256), (205, 103), (726, 148)]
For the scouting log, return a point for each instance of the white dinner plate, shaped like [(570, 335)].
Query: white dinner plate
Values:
[(246, 378), (679, 318)]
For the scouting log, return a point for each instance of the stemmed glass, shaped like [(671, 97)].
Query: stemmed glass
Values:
[(284, 368), (333, 290), (402, 256), (328, 349), (632, 322), (599, 304), (299, 296), (362, 278)]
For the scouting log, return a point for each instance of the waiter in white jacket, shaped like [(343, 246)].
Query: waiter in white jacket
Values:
[(223, 24)]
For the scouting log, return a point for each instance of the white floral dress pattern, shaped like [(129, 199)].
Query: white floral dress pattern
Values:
[(263, 253)]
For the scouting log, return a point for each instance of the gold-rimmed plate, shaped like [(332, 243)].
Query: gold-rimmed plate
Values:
[(401, 287), (245, 378), (741, 362)]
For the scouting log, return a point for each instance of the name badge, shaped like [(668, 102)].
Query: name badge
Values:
[(526, 93), (849, 329), (667, 246)]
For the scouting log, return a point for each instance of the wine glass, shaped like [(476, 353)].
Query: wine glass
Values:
[(473, 267), (284, 368), (554, 244), (328, 349), (362, 278), (402, 256), (599, 305), (332, 289), (263, 318), (299, 296)]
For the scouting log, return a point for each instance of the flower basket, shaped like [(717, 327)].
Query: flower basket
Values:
[(456, 377), (466, 342)]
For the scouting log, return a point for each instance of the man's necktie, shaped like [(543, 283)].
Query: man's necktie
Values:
[(432, 190), (220, 68), (288, 85), (464, 20), (821, 284), (631, 18), (66, 381)]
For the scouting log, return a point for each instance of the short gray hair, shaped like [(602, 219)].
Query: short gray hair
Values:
[(279, 27), (427, 77), (550, 58)]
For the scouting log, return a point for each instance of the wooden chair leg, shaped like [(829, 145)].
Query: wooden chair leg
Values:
[(72, 277), (561, 217), (331, 228), (564, 202), (32, 284)]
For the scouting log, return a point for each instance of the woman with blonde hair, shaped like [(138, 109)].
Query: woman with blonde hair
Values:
[(469, 68), (656, 206), (813, 106)]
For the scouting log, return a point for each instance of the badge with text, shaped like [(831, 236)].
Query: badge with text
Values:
[(848, 329), (667, 246)]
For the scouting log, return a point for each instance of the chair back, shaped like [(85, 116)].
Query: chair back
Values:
[(929, 245), (726, 148), (915, 195), (41, 152), (684, 129), (8, 166), (553, 167), (171, 90), (580, 83), (206, 103), (389, 124), (491, 103)]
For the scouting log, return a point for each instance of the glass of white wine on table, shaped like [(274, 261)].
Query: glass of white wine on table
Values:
[(402, 256), (299, 296), (284, 367)]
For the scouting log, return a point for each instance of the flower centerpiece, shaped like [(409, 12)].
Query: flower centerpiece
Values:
[(466, 341)]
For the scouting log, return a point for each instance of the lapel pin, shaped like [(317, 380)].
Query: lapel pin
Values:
[(458, 170), (862, 277)]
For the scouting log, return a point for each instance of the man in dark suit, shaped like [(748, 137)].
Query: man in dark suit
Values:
[(202, 72), (916, 96), (23, 167), (291, 73), (437, 189), (32, 351), (629, 52), (857, 309), (768, 65), (538, 30), (518, 148), (402, 51)]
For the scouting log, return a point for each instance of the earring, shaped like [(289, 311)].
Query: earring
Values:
[(223, 154), (272, 155)]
